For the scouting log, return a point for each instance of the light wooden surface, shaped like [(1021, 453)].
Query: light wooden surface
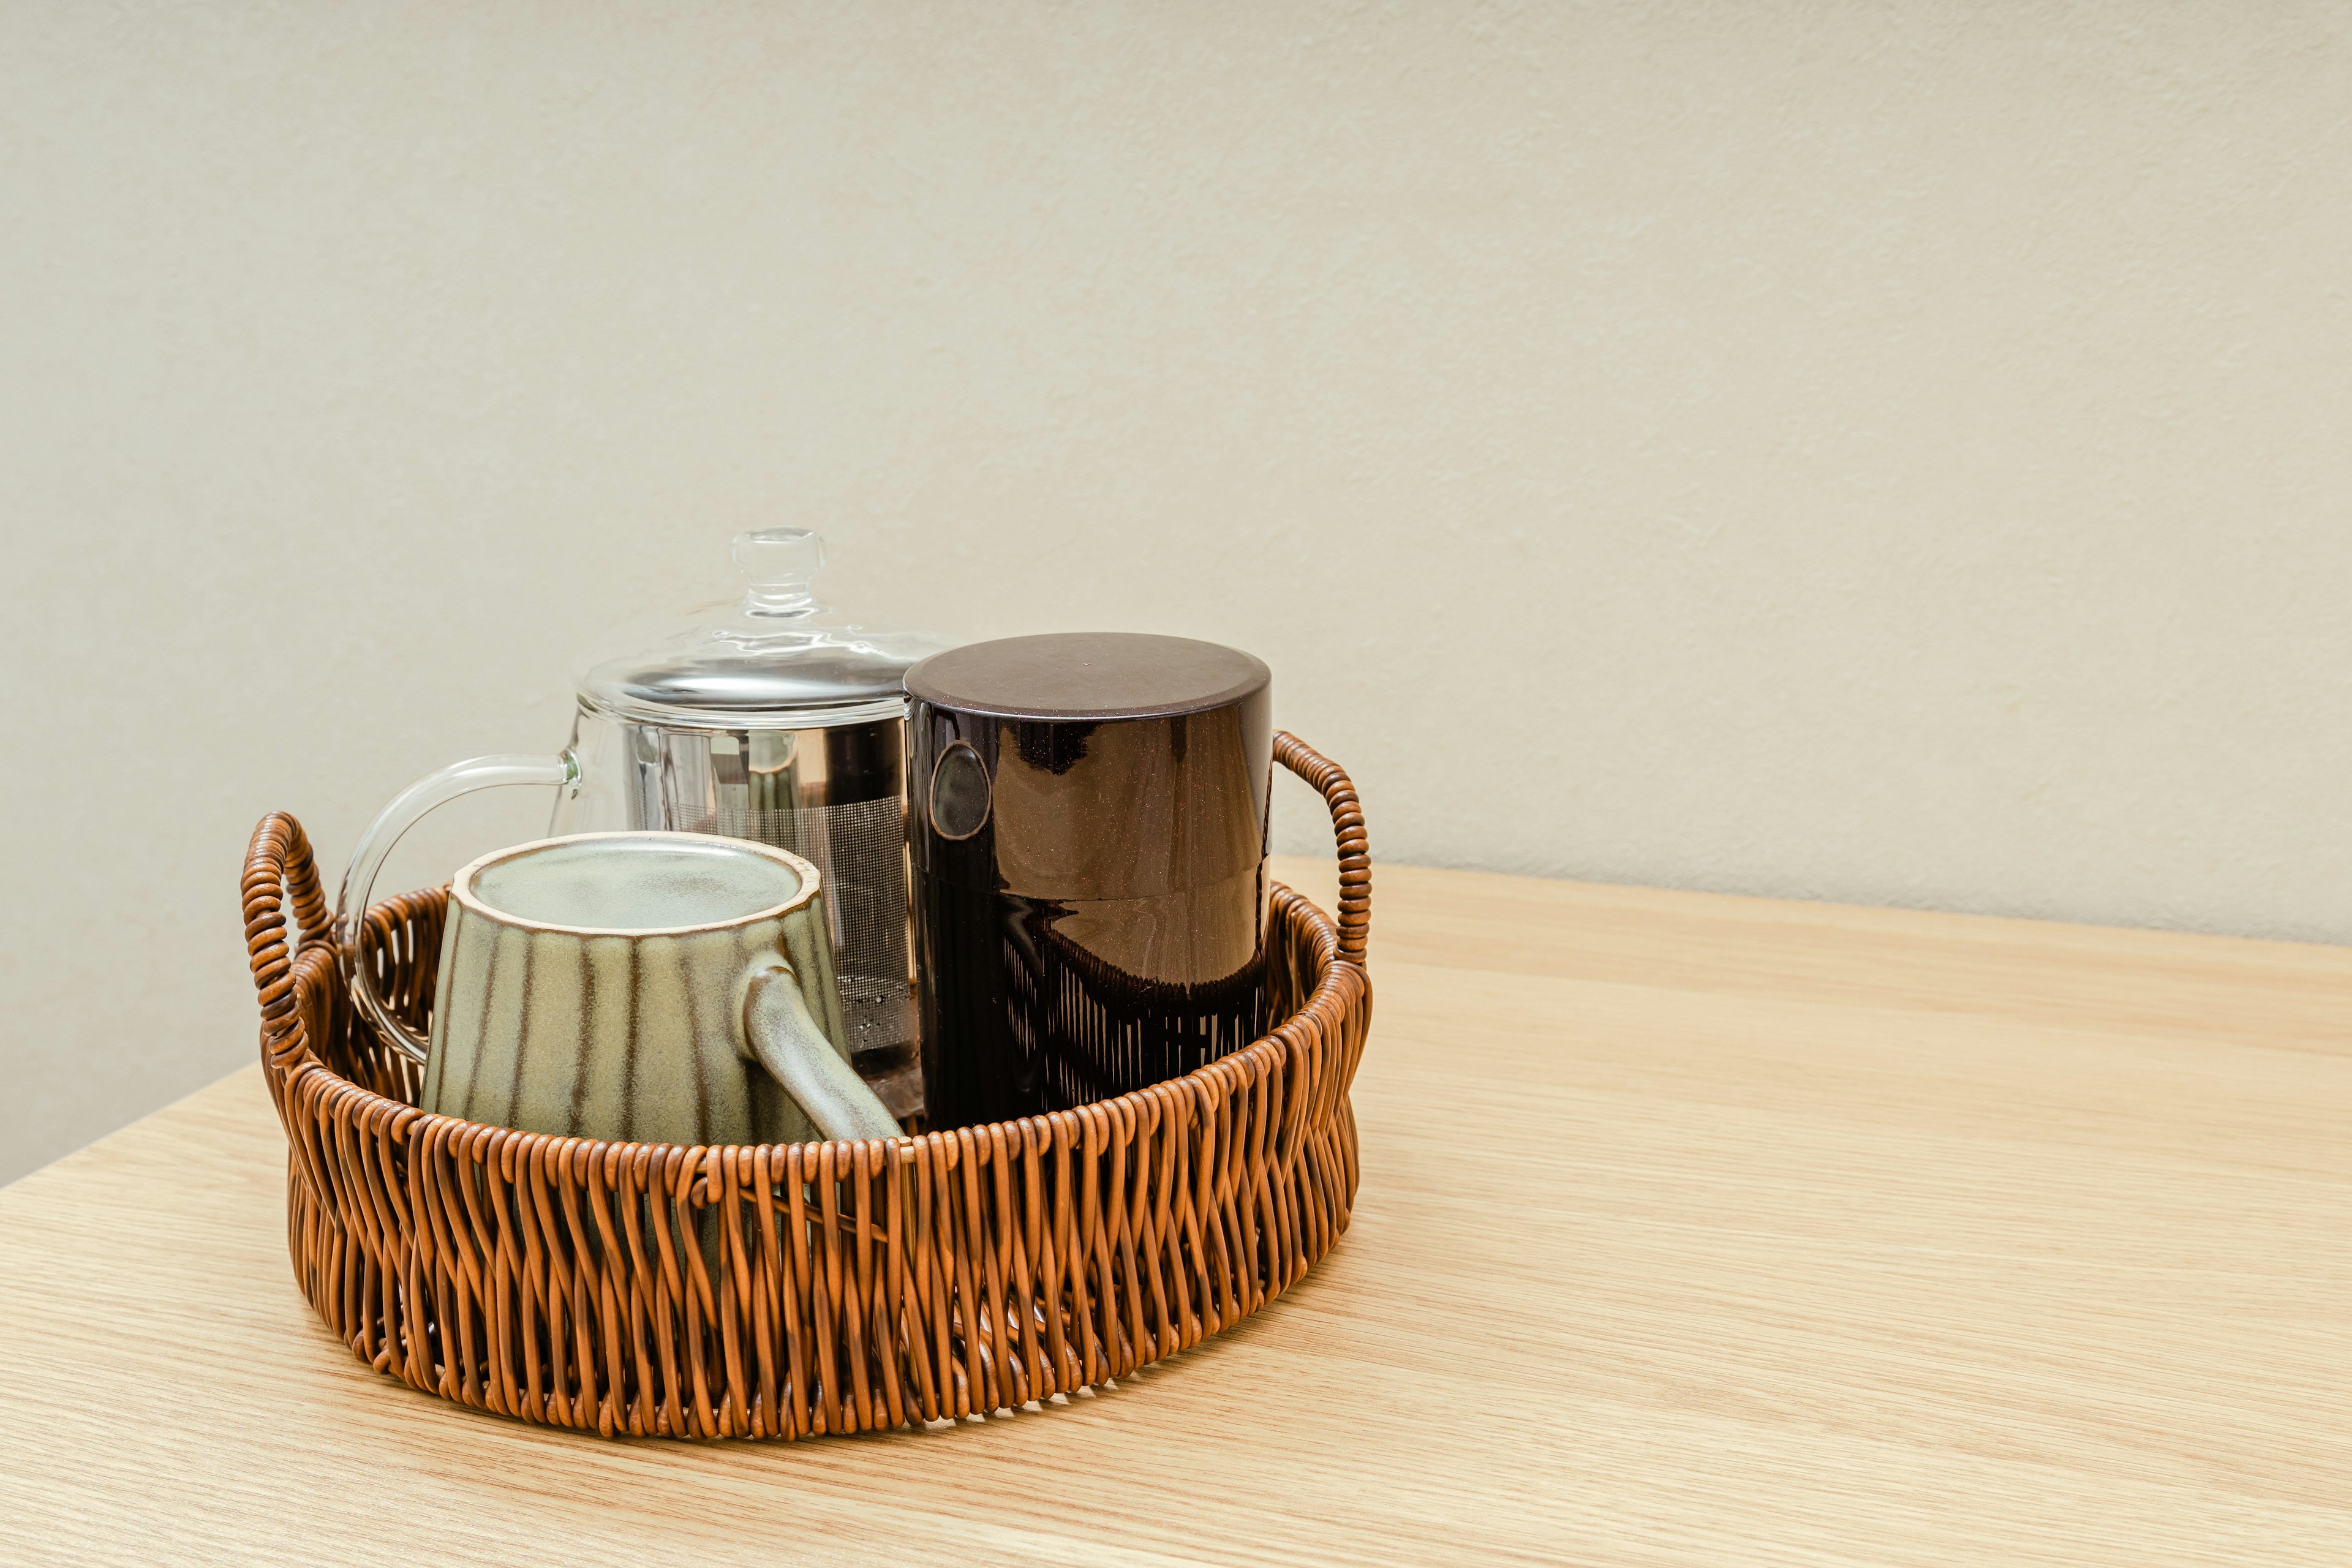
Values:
[(1693, 1230)]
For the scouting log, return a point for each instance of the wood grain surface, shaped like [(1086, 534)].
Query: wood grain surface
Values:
[(1693, 1230)]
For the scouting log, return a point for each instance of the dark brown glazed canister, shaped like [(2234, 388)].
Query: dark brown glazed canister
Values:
[(1087, 817)]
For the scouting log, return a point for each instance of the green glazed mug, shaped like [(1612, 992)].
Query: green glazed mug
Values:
[(656, 987)]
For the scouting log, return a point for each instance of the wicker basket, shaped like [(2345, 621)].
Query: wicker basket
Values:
[(781, 1292)]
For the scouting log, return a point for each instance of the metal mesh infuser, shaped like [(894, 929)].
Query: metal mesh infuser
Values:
[(860, 849)]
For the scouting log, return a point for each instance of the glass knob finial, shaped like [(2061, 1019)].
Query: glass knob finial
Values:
[(780, 562), (780, 555)]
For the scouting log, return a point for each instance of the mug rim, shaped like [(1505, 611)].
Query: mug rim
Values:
[(461, 886)]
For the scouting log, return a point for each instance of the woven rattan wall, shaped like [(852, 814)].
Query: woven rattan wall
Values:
[(781, 1292)]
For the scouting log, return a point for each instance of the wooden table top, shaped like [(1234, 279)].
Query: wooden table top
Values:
[(1693, 1229)]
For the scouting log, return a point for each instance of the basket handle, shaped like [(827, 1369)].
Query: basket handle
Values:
[(1338, 792), (279, 864)]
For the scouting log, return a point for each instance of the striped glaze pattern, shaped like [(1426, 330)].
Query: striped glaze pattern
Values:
[(769, 1290), (632, 1037)]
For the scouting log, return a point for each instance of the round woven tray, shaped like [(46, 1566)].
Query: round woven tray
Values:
[(785, 1291)]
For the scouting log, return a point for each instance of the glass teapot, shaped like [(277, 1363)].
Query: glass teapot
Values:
[(769, 718)]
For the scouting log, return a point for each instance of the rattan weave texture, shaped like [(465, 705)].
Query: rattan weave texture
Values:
[(785, 1292)]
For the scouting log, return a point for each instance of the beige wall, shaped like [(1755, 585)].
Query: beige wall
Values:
[(1890, 453)]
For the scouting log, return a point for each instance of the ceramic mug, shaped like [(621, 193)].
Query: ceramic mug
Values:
[(657, 987)]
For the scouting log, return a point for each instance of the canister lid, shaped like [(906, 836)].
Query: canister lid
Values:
[(1089, 676), (1091, 766), (775, 659)]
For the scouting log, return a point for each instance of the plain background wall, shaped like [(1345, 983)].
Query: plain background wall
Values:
[(1893, 454)]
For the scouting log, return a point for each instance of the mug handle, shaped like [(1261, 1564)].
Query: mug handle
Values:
[(780, 1035), (358, 881)]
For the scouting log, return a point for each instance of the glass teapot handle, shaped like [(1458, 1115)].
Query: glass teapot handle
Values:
[(358, 881)]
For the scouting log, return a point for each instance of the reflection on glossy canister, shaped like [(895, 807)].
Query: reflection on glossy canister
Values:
[(1088, 817)]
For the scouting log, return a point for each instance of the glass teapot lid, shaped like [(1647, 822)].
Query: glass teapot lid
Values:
[(774, 659)]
